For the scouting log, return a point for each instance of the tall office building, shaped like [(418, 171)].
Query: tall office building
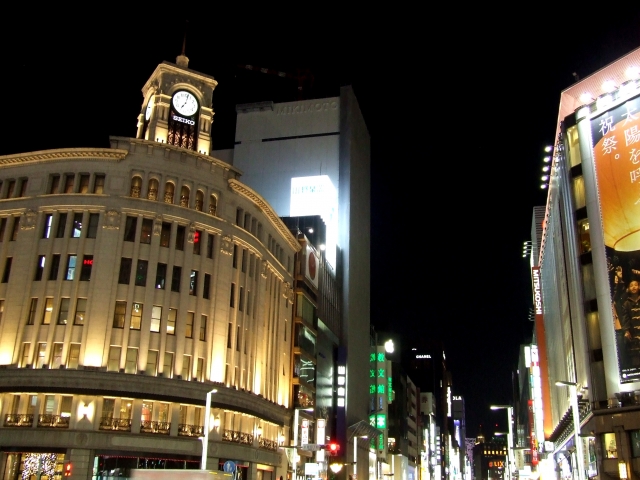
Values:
[(312, 157), (136, 280), (586, 278)]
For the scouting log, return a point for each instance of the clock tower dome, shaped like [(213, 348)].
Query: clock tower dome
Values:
[(177, 107)]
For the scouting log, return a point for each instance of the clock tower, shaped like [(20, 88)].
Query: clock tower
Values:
[(177, 107)]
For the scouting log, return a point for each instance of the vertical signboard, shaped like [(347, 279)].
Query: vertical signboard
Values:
[(616, 153)]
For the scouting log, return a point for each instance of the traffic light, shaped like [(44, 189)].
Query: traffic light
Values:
[(333, 449), (67, 469)]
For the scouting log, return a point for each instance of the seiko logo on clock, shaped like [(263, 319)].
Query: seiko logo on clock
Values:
[(183, 120)]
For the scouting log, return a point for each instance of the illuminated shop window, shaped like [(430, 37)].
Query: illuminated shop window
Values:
[(193, 282), (113, 365), (171, 321), (186, 367), (63, 311), (152, 363), (48, 311), (131, 362), (71, 267), (85, 270), (81, 311), (610, 445), (156, 316), (48, 224), (167, 368), (74, 355), (118, 314), (136, 316), (197, 241), (77, 225), (39, 268)]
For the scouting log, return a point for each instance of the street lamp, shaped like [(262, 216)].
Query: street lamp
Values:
[(573, 392), (511, 461), (205, 441)]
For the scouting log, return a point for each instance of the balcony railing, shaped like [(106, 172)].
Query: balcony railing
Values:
[(53, 421), (119, 424), (18, 420), (268, 444), (151, 426), (185, 430), (237, 437)]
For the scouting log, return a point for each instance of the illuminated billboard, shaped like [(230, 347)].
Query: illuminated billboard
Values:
[(616, 152)]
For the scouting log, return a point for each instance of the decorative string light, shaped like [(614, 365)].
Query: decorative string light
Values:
[(45, 462)]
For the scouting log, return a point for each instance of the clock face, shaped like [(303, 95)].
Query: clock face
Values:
[(147, 113), (185, 103)]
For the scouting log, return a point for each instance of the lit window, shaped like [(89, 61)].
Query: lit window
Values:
[(71, 267), (48, 310), (171, 321), (156, 315), (77, 225), (136, 316), (63, 312)]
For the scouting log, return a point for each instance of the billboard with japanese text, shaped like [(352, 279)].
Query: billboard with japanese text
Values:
[(616, 153)]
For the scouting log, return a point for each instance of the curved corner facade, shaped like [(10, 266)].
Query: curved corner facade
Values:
[(134, 281)]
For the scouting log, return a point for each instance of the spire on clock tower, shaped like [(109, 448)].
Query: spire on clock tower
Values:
[(182, 60), (176, 109)]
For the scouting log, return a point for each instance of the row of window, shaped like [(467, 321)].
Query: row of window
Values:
[(70, 271), (142, 267), (135, 320), (50, 230), (64, 308), (54, 359), (146, 231), (72, 183), (13, 188), (169, 195)]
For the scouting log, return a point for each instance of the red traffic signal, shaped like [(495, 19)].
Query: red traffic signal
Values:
[(67, 469), (334, 448)]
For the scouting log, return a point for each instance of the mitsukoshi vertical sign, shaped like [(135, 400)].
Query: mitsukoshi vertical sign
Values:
[(616, 152)]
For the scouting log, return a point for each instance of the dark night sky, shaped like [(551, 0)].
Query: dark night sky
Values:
[(459, 108)]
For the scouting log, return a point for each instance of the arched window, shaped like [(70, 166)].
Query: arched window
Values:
[(184, 196), (136, 186), (168, 192), (199, 200), (152, 193), (213, 205)]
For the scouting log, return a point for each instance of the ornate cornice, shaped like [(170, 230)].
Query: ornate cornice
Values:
[(262, 204), (64, 154)]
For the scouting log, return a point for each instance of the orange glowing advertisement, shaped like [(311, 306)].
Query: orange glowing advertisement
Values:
[(616, 152)]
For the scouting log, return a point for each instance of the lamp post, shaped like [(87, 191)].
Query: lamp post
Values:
[(573, 392), (205, 440), (510, 458)]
